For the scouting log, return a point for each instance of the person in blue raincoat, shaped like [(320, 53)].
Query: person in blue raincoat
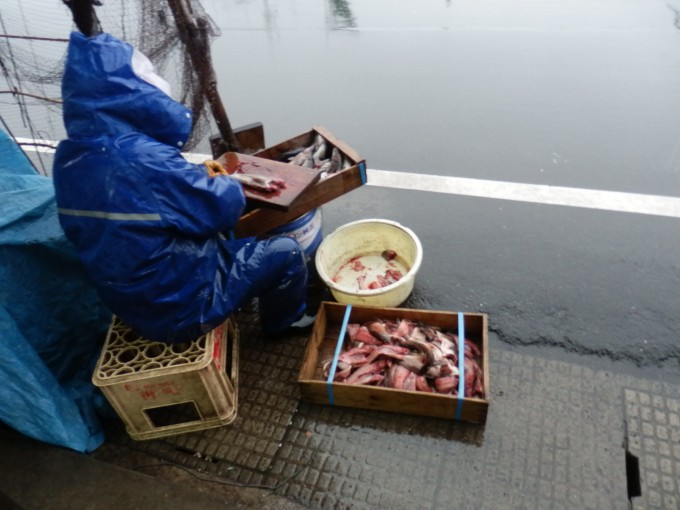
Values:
[(150, 227)]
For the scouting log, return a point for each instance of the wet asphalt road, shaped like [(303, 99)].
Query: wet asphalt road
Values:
[(559, 92), (568, 93)]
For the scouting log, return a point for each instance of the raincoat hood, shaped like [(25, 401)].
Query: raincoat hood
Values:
[(105, 93)]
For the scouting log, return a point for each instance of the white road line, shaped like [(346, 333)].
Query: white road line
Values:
[(533, 193), (656, 205)]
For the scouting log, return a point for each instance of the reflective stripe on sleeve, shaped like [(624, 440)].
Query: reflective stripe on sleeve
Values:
[(110, 216)]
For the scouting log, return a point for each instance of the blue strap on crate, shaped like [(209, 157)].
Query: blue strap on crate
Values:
[(461, 365), (338, 348), (362, 172)]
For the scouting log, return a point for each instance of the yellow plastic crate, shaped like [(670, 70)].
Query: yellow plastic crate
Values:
[(161, 389)]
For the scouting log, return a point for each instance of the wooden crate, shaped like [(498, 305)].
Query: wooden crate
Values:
[(160, 389), (261, 220), (322, 346)]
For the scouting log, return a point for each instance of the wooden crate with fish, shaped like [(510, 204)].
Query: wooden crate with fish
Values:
[(340, 168), (398, 360)]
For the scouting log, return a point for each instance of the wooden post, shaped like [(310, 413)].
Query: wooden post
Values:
[(84, 16), (194, 34)]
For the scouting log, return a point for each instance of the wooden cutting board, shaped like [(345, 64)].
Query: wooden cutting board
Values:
[(297, 178)]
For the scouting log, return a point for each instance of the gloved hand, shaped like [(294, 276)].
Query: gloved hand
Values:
[(215, 168)]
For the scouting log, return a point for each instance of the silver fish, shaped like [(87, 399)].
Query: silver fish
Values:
[(319, 154), (303, 157), (336, 161)]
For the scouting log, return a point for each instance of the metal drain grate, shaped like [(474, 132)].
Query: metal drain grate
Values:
[(653, 450)]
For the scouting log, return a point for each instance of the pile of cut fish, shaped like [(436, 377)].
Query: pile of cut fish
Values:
[(407, 356), (318, 156), (373, 272)]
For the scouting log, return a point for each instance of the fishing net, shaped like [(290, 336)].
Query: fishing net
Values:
[(33, 44)]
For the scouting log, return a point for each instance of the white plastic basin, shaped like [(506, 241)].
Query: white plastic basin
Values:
[(363, 243)]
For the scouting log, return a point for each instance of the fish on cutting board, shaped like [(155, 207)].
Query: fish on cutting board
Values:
[(266, 182), (258, 182)]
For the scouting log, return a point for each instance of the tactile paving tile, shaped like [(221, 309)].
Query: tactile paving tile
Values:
[(268, 397), (363, 460), (552, 440), (653, 436)]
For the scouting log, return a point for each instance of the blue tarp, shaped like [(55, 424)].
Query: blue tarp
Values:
[(52, 322)]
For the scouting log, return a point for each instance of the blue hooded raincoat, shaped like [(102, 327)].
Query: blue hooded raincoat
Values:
[(147, 224)]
